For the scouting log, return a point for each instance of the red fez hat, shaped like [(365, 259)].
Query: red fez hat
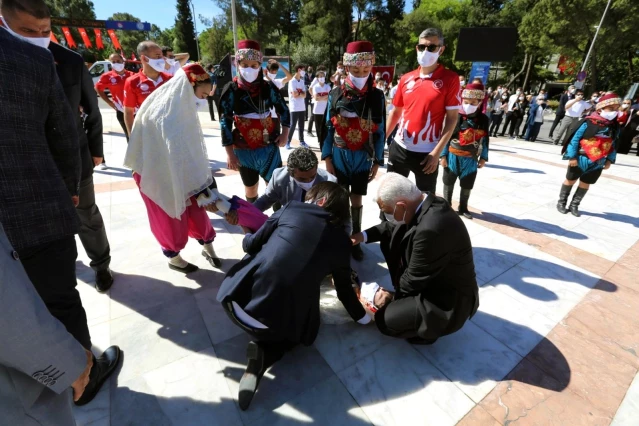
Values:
[(473, 91), (607, 100), (248, 50), (359, 54), (248, 44), (196, 73)]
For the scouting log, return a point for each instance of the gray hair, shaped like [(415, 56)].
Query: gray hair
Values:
[(433, 32), (394, 187), (145, 46)]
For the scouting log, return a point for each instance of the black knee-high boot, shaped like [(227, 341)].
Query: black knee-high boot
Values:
[(356, 214), (563, 198), (448, 193), (463, 203), (580, 193)]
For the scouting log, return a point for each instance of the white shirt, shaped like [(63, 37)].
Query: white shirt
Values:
[(539, 117), (577, 109), (320, 106), (296, 104), (174, 68), (511, 102), (279, 83)]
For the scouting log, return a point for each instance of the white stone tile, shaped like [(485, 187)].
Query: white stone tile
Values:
[(327, 403), (495, 253), (199, 377), (133, 403), (218, 324), (628, 411), (409, 392), (598, 247), (157, 336), (472, 359), (510, 321)]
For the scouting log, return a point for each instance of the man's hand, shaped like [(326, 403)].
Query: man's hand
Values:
[(443, 162), (573, 162), (246, 230), (231, 217), (281, 140), (232, 162), (430, 163), (329, 166), (211, 208), (97, 161), (373, 172), (482, 162), (607, 166), (81, 383), (357, 238), (76, 200)]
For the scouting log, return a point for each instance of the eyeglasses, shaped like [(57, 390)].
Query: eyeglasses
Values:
[(430, 47)]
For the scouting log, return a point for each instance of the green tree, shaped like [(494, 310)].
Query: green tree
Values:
[(76, 9), (215, 42), (184, 31), (310, 54), (381, 31), (327, 23)]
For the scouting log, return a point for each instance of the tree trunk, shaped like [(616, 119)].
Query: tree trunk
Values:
[(630, 69), (359, 21), (523, 88), (519, 73), (593, 69)]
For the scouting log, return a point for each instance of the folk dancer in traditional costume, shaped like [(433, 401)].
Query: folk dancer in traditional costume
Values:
[(253, 146), (170, 165), (467, 150), (354, 145), (590, 150)]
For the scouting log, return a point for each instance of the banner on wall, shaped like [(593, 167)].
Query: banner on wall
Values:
[(67, 35), (480, 70), (85, 38), (114, 39), (98, 38)]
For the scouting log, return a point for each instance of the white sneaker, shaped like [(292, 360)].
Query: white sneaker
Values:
[(102, 166)]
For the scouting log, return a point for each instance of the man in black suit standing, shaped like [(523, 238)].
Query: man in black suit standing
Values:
[(40, 167), (78, 87), (430, 260)]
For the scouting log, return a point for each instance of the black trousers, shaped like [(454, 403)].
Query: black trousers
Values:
[(320, 128), (403, 162), (210, 100), (297, 119), (51, 269), (495, 122), (311, 121), (510, 117), (515, 124), (399, 318), (555, 123), (120, 116), (92, 232), (467, 182)]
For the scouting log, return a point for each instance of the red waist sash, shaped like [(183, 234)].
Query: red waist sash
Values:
[(596, 147), (354, 131), (468, 143), (252, 130)]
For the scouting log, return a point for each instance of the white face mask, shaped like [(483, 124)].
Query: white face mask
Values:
[(118, 67), (518, 92), (306, 186), (272, 76), (521, 98), (469, 109), (624, 106), (157, 64), (426, 58), (196, 99), (359, 82), (609, 115), (341, 81), (504, 97), (462, 82), (302, 73), (36, 41), (340, 69), (249, 74), (390, 217), (321, 80), (170, 61)]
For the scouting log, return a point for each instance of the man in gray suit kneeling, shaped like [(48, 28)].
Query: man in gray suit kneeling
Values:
[(41, 365)]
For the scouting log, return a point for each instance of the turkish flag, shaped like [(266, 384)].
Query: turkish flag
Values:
[(85, 38), (67, 35), (114, 39), (53, 39), (387, 71), (98, 38)]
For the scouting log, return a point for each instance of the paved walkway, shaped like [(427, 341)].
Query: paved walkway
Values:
[(555, 340)]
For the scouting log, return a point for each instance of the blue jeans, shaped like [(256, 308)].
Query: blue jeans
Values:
[(533, 131)]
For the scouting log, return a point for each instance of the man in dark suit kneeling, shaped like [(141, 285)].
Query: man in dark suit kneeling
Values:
[(273, 293), (430, 259)]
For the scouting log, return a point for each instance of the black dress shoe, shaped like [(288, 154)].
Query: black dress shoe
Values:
[(214, 261), (187, 269), (420, 341), (102, 368), (103, 280), (255, 369)]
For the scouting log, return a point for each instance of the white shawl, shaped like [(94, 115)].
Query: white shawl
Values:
[(167, 149)]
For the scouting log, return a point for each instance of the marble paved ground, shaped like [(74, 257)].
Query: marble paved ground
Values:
[(555, 340)]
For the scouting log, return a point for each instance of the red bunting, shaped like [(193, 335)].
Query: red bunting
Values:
[(85, 38), (67, 35), (53, 39), (114, 39), (98, 38)]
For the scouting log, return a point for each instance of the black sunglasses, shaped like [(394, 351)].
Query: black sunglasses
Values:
[(430, 47)]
